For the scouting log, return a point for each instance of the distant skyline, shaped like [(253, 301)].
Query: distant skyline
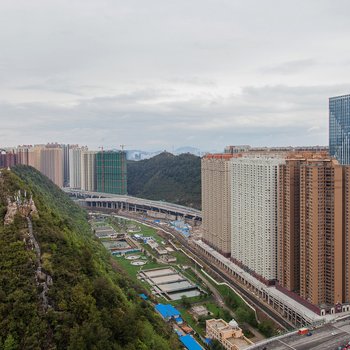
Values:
[(161, 75)]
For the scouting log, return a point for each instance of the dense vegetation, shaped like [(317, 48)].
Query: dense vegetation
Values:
[(94, 306), (175, 179), (245, 314)]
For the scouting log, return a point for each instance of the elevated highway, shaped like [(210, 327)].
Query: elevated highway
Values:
[(159, 209)]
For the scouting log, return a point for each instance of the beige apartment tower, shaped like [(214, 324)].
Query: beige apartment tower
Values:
[(51, 164), (48, 160), (88, 173), (216, 202)]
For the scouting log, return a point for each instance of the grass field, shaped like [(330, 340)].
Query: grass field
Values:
[(133, 270), (242, 312)]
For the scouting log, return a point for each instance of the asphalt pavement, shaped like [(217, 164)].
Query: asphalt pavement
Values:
[(328, 337)]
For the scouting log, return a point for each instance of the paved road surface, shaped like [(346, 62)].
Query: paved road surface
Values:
[(329, 337)]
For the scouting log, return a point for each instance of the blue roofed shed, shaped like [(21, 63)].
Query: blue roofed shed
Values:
[(179, 320), (190, 343), (143, 296), (167, 311)]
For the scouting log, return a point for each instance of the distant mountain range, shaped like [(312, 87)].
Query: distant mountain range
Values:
[(175, 179), (141, 155)]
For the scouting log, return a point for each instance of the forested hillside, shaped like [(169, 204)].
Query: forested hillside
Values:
[(90, 304), (175, 179)]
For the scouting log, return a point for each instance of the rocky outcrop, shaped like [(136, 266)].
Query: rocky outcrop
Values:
[(19, 204), (43, 279)]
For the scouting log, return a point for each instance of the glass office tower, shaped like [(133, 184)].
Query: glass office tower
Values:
[(339, 128)]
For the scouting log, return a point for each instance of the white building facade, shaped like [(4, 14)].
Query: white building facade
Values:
[(88, 173), (254, 214), (75, 166)]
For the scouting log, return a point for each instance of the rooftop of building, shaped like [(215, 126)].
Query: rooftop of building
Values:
[(190, 343), (241, 343), (217, 324), (167, 310), (224, 156), (339, 97), (272, 152)]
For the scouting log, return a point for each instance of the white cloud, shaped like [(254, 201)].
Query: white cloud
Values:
[(164, 73)]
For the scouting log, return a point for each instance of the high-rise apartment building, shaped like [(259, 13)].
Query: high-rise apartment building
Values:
[(254, 214), (313, 229), (88, 175), (288, 238), (66, 163), (75, 166), (111, 173), (346, 228), (339, 128), (23, 155), (48, 159), (321, 232), (288, 246), (51, 164), (216, 202), (8, 158), (34, 156)]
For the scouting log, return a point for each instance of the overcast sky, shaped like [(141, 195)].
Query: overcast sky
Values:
[(161, 74)]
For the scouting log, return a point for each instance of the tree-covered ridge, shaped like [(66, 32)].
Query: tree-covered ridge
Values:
[(175, 179), (93, 306)]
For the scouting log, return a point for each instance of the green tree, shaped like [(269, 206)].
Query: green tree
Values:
[(185, 302), (10, 343), (267, 328)]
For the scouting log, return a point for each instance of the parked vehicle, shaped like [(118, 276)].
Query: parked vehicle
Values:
[(303, 331)]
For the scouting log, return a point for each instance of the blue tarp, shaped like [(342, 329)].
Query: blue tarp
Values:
[(190, 343), (143, 296), (167, 311), (179, 320)]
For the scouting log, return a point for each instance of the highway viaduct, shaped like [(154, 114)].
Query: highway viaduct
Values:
[(156, 209)]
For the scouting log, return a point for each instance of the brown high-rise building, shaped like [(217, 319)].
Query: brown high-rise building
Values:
[(288, 238), (23, 154), (288, 248), (216, 202), (346, 222), (313, 230), (321, 232)]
